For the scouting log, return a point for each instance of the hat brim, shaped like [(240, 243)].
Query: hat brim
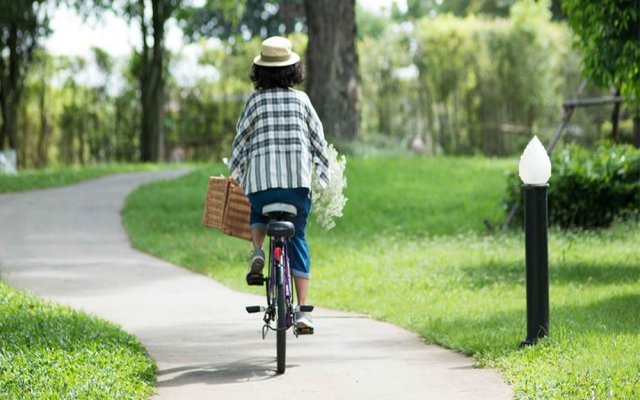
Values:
[(293, 58)]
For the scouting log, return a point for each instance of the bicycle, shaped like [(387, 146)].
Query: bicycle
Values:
[(279, 286)]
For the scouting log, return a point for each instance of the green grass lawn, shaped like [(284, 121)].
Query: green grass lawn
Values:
[(51, 352), (42, 179), (412, 249)]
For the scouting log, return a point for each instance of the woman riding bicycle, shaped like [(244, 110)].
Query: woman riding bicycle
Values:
[(279, 140)]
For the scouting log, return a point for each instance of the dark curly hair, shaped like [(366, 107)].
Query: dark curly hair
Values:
[(276, 77)]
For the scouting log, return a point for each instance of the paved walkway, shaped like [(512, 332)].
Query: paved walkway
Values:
[(68, 245)]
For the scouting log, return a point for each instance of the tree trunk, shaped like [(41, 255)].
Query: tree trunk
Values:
[(3, 133), (291, 11), (146, 132), (41, 151), (9, 126), (10, 86), (82, 136), (636, 129), (615, 118), (152, 138), (287, 17), (22, 131), (21, 25), (332, 65)]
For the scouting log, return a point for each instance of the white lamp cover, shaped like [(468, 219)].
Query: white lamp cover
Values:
[(535, 165)]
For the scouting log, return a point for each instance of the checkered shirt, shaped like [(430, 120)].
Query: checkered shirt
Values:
[(279, 139)]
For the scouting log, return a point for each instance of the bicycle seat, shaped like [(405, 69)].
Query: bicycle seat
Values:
[(275, 210), (281, 229)]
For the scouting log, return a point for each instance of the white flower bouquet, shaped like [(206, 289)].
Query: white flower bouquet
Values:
[(328, 202)]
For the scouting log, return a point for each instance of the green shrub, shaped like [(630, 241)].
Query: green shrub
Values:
[(588, 189)]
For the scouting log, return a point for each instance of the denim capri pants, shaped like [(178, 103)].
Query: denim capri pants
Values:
[(299, 258)]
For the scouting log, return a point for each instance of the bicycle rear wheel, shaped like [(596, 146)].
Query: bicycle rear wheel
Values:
[(281, 337)]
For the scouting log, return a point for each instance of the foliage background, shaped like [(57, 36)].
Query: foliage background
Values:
[(460, 83)]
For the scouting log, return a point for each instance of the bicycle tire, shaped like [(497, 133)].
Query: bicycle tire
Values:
[(281, 337)]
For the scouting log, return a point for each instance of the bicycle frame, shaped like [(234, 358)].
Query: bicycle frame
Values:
[(279, 273)]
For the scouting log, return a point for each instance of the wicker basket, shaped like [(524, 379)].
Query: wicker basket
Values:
[(215, 203), (227, 208)]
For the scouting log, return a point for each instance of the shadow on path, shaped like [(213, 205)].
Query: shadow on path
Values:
[(249, 370)]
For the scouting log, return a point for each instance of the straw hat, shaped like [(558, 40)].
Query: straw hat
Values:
[(276, 52)]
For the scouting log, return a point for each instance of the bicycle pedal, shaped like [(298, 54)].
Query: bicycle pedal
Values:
[(255, 280), (306, 308), (254, 309), (304, 330)]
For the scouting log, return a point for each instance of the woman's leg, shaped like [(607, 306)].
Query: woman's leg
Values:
[(302, 288), (257, 237), (258, 224), (299, 250)]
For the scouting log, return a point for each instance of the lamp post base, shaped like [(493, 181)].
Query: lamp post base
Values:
[(528, 342)]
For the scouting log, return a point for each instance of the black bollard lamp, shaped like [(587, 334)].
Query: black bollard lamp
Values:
[(535, 171)]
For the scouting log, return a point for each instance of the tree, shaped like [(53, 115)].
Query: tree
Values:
[(262, 18), (102, 133), (150, 65), (23, 23), (608, 33), (332, 65), (126, 116), (152, 15), (73, 118), (151, 71), (45, 70)]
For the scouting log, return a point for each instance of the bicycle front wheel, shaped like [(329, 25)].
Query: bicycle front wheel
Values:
[(281, 340)]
